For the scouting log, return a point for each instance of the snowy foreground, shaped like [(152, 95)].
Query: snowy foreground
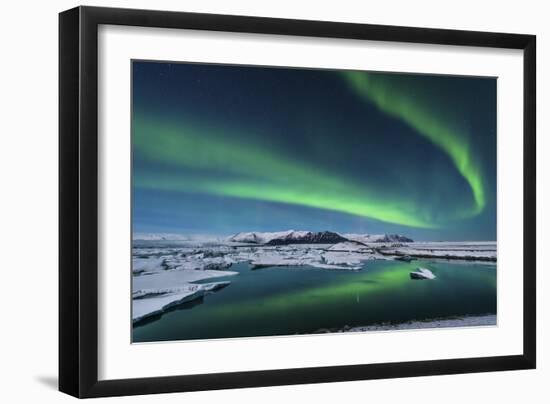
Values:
[(468, 321), (166, 272)]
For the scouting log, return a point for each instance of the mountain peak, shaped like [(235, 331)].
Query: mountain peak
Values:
[(311, 237)]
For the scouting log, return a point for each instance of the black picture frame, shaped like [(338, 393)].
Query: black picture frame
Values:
[(78, 201)]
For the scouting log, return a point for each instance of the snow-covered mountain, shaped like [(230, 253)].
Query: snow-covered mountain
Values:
[(309, 237), (158, 236), (255, 237), (321, 237), (174, 237), (378, 238)]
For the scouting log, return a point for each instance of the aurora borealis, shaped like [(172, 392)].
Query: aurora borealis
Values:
[(399, 101), (219, 149)]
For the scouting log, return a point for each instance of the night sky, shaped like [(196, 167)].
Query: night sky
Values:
[(219, 149)]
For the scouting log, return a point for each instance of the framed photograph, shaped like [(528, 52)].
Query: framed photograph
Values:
[(251, 201)]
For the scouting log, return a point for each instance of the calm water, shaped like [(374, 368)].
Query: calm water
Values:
[(301, 300)]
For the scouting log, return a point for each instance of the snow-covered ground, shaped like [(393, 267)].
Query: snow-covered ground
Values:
[(463, 250), (377, 238), (264, 237), (165, 272), (468, 321)]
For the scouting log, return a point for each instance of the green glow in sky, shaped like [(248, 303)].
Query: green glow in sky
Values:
[(407, 105), (231, 168)]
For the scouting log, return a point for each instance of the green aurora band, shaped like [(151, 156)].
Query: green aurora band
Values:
[(244, 170), (247, 170), (406, 105)]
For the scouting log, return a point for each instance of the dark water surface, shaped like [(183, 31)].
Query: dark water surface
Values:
[(302, 300)]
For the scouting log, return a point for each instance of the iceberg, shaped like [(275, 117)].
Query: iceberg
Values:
[(150, 302), (422, 273), (143, 308)]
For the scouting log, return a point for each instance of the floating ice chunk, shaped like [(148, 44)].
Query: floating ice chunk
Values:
[(210, 287), (143, 308), (151, 264), (149, 293), (175, 278), (349, 246), (405, 258), (347, 267), (422, 273), (150, 302)]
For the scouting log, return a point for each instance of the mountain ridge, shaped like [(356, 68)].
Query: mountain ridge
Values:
[(310, 237)]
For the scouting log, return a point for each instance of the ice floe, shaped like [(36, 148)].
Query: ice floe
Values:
[(422, 273), (151, 302)]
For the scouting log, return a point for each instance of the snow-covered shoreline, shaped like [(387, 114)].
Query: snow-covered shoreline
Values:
[(463, 251), (466, 321), (486, 320)]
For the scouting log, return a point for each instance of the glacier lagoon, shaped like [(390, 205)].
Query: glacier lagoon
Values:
[(304, 299)]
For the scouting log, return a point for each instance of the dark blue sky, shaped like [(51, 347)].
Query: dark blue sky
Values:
[(219, 149)]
